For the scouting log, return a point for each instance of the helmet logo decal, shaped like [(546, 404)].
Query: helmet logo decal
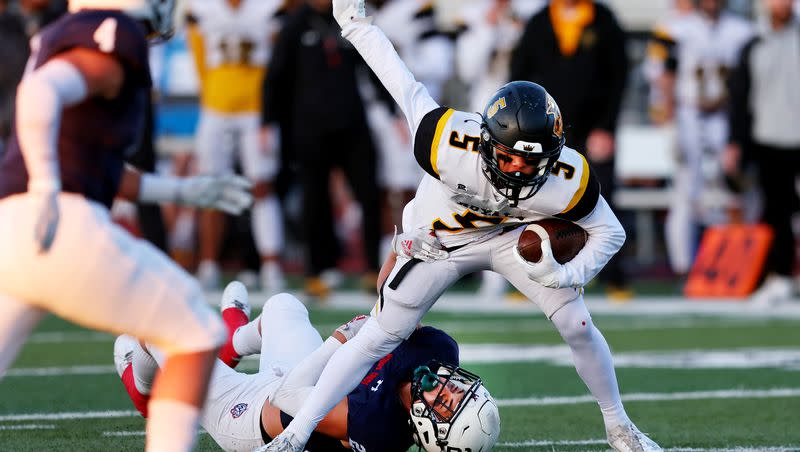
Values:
[(558, 123), (497, 105), (534, 148)]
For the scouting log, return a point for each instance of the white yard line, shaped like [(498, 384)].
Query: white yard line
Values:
[(657, 397), (60, 371), (28, 427), (529, 401), (650, 305), (592, 442)]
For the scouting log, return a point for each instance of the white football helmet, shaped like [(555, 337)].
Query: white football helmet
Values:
[(473, 425), (157, 15)]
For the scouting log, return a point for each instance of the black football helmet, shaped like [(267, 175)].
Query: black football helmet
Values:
[(521, 119)]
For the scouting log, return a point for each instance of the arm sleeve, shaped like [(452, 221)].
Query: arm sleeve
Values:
[(606, 237), (380, 55), (297, 384), (41, 96)]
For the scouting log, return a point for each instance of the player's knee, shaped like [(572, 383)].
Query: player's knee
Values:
[(282, 310), (574, 322), (375, 341)]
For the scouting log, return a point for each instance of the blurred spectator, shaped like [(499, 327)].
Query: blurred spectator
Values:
[(483, 55), (764, 114), (312, 89), (231, 42), (576, 50), (38, 13), (694, 54), (428, 50), (13, 53)]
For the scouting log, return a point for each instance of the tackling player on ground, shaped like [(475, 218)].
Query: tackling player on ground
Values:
[(80, 112), (487, 176), (418, 381)]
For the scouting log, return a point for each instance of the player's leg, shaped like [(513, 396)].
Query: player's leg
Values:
[(408, 293), (214, 153), (17, 320), (590, 352), (235, 309), (136, 368), (135, 288), (261, 167)]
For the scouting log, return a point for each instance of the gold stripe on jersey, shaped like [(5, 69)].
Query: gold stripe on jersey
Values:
[(581, 189), (437, 137), (585, 198)]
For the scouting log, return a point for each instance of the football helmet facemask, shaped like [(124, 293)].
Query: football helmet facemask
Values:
[(158, 16), (521, 119), (452, 410)]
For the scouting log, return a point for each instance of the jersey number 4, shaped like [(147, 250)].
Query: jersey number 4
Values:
[(106, 35)]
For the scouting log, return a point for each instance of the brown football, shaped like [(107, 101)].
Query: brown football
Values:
[(566, 239)]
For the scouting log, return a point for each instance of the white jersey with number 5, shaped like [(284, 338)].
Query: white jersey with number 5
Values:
[(458, 202)]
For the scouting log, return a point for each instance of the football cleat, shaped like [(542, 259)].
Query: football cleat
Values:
[(285, 442), (235, 296), (235, 308), (123, 361), (628, 438), (123, 352)]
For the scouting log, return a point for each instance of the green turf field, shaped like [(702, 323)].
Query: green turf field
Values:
[(694, 382)]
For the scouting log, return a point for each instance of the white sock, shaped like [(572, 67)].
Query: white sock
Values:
[(144, 370), (171, 426), (592, 359), (267, 226), (247, 338)]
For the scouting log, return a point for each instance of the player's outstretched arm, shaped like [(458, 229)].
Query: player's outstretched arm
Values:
[(65, 80), (382, 58), (228, 192)]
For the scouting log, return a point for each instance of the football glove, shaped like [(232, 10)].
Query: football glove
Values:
[(418, 244), (547, 271), (229, 193), (346, 11), (351, 328), (47, 221)]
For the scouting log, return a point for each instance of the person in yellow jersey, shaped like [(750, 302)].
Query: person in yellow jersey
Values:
[(231, 43)]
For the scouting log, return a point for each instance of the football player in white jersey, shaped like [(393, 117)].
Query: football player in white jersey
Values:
[(80, 110), (231, 42), (487, 176), (694, 53)]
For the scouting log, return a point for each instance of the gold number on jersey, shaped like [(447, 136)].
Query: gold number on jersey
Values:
[(465, 220), (569, 170), (468, 143), (238, 53)]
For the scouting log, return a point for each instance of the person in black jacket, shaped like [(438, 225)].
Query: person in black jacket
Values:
[(576, 50), (763, 115), (311, 90)]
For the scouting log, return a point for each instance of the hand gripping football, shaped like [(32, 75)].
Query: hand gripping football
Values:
[(566, 240)]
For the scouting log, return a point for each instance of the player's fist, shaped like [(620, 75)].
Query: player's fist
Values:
[(346, 11), (351, 328)]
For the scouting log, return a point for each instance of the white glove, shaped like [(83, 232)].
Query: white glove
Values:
[(346, 11), (351, 328), (229, 193), (418, 244), (47, 221), (547, 272)]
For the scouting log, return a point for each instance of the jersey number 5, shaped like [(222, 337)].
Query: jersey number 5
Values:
[(106, 35)]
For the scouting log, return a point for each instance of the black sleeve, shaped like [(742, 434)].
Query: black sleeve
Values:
[(279, 81), (523, 57), (739, 114), (424, 137), (588, 201), (615, 61)]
